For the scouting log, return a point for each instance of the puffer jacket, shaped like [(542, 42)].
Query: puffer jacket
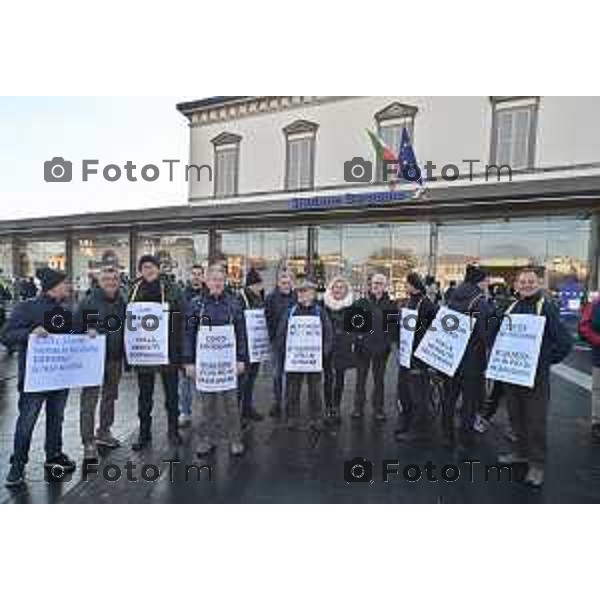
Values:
[(342, 352)]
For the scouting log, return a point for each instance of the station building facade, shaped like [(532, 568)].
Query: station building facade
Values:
[(278, 196)]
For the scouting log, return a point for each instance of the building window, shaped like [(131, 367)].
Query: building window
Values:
[(391, 121), (227, 162), (300, 155), (514, 128)]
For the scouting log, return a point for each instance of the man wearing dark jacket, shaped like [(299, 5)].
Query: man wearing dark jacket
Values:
[(305, 307), (589, 329), (215, 309), (251, 297), (413, 383), (469, 298), (373, 348), (150, 288), (32, 317), (196, 288), (100, 313), (528, 408), (277, 305)]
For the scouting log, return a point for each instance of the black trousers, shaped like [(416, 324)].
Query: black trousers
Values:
[(293, 387), (366, 362), (333, 386), (146, 378), (470, 384), (413, 392)]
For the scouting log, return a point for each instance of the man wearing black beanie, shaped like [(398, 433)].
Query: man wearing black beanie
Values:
[(31, 318), (150, 288)]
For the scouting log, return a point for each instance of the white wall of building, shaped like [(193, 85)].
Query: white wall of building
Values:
[(447, 130)]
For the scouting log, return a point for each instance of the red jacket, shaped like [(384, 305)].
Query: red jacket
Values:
[(586, 328)]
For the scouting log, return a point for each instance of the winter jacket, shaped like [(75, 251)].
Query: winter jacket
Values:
[(214, 311), (249, 300), (161, 291), (385, 326), (314, 310), (25, 317), (427, 311), (342, 352), (589, 329), (557, 342), (100, 309), (191, 293), (468, 299), (277, 306)]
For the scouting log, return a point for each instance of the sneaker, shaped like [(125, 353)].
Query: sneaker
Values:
[(357, 413), (185, 421), (596, 433), (380, 416), (106, 440), (252, 415), (535, 477), (480, 425), (15, 476), (90, 453), (63, 461), (275, 412), (512, 459), (237, 449), (205, 448)]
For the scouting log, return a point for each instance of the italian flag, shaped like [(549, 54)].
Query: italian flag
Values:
[(382, 151)]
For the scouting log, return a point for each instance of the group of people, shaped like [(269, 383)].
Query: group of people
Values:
[(345, 345)]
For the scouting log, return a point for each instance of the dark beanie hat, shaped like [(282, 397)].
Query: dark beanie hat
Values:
[(49, 278), (252, 277), (414, 280), (475, 275), (148, 258)]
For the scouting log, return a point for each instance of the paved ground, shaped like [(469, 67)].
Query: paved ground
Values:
[(282, 466)]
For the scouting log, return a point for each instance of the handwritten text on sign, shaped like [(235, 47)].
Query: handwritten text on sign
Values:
[(443, 345), (216, 364), (258, 335), (304, 351), (516, 351), (147, 340), (59, 362)]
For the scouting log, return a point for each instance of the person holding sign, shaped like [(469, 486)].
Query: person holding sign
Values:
[(305, 340), (528, 407), (253, 304), (103, 312), (149, 288), (469, 298), (337, 300), (215, 354), (413, 381), (36, 317)]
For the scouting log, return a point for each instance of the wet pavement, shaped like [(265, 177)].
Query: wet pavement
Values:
[(284, 466)]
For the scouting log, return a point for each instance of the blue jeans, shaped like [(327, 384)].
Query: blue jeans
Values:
[(186, 395), (30, 405), (246, 387)]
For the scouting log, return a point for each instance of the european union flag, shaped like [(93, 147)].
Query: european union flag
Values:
[(409, 168)]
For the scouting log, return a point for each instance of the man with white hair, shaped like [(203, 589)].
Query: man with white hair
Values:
[(373, 347)]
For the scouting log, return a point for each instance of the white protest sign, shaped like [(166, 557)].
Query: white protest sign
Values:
[(444, 343), (216, 362), (59, 362), (304, 349), (258, 335), (147, 334), (409, 322), (516, 352)]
